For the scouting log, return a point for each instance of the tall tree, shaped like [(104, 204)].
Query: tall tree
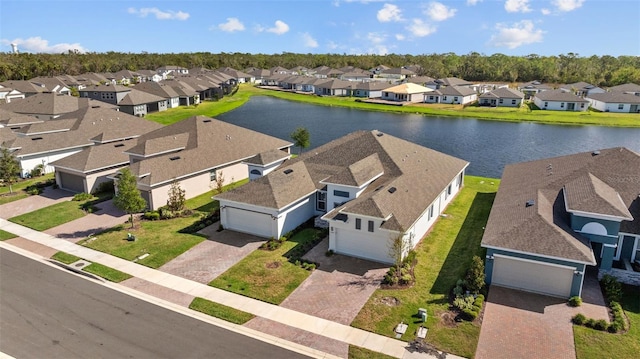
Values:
[(128, 196), (301, 138), (9, 168)]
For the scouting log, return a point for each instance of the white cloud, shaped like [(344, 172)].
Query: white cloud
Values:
[(38, 45), (159, 14), (400, 37), (517, 6), (389, 12), (332, 45), (439, 12), (279, 28), (379, 50), (567, 5), (419, 28), (545, 11), (232, 24), (473, 2), (309, 41), (518, 34)]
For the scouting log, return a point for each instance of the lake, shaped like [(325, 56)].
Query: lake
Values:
[(488, 145)]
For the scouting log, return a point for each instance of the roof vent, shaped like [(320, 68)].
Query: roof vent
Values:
[(380, 134), (595, 153), (391, 190), (206, 121), (119, 145), (36, 138), (288, 171), (530, 203), (174, 158), (379, 188)]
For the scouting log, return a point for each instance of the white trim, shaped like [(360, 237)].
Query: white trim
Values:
[(534, 261), (155, 153), (636, 247), (599, 216), (595, 234), (350, 186), (115, 166), (21, 156), (616, 255), (539, 255)]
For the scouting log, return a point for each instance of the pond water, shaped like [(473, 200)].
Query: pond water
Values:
[(488, 145)]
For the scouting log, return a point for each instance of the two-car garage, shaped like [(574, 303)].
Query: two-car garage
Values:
[(533, 276), (248, 221)]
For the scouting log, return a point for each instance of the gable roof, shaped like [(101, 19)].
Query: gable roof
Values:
[(268, 157), (544, 228), (418, 174), (137, 97), (97, 157), (559, 95)]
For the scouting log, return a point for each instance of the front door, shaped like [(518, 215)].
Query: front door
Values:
[(571, 106)]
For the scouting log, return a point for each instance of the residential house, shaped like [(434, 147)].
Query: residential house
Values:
[(502, 97), (171, 71), (614, 102), (160, 89), (259, 75), (25, 87), (195, 152), (581, 89), (46, 106), (629, 88), (355, 76), (451, 81), (48, 141), (553, 218), (406, 92), (369, 186), (126, 77), (396, 74), (14, 121), (110, 93), (369, 89), (558, 100), (207, 88), (140, 103), (324, 72), (460, 95), (187, 95), (422, 81), (7, 94), (239, 76), (532, 88), (51, 84), (333, 87), (486, 87), (150, 75)]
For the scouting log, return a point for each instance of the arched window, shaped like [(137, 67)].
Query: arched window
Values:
[(256, 172), (594, 228)]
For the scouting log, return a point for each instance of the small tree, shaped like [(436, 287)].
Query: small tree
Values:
[(128, 197), (218, 182), (475, 275), (301, 138), (176, 199), (9, 168), (398, 247)]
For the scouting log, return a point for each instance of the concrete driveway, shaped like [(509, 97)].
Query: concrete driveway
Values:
[(207, 260), (525, 325), (47, 198), (108, 216), (339, 288)]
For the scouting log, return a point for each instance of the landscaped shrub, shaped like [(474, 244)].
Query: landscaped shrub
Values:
[(618, 316), (463, 303), (104, 187), (479, 302), (83, 196), (579, 319), (151, 215), (612, 288), (590, 323), (600, 324), (475, 276), (575, 301), (469, 314)]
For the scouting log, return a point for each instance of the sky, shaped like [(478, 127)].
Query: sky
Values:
[(355, 27)]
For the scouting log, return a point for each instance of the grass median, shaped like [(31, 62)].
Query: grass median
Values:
[(4, 235), (443, 257), (108, 273), (220, 311)]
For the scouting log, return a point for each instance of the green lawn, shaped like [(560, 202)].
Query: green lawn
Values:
[(591, 343), (267, 275), (220, 311), (20, 187), (356, 352), (65, 257), (443, 257), (52, 216), (98, 269), (160, 239), (6, 235), (203, 203)]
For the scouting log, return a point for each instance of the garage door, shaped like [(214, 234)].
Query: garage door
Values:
[(71, 182), (532, 276), (255, 223), (362, 245)]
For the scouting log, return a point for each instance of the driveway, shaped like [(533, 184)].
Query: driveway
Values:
[(338, 289), (47, 198), (525, 325), (107, 216), (207, 260)]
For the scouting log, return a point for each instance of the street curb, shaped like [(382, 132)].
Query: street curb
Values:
[(75, 270)]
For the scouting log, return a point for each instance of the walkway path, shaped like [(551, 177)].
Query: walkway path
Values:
[(319, 326)]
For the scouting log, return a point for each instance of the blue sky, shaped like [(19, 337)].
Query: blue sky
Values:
[(512, 27)]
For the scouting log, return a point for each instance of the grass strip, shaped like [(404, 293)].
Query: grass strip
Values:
[(220, 311)]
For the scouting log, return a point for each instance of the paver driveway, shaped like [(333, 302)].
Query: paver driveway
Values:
[(47, 198), (525, 325), (207, 260), (107, 216), (338, 289)]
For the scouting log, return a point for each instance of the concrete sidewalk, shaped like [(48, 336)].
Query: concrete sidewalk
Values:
[(320, 326)]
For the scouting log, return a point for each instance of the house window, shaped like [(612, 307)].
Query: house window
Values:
[(500, 101), (256, 172), (370, 226), (431, 98), (546, 104), (561, 104), (444, 98), (341, 193), (455, 99), (582, 105), (212, 175), (620, 106), (358, 223), (513, 102), (430, 212), (321, 201)]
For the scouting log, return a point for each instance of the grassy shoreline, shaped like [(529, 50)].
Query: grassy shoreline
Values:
[(524, 114)]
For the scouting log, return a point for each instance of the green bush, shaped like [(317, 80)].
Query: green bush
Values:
[(469, 314), (474, 281), (618, 316), (478, 302), (410, 258), (575, 301), (463, 303), (590, 323), (612, 288), (82, 196), (614, 327), (104, 187), (600, 324), (151, 216), (579, 319)]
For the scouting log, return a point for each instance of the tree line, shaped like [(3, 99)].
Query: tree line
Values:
[(565, 68)]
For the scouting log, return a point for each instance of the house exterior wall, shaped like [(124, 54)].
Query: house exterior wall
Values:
[(431, 98), (576, 285), (611, 107), (559, 105), (509, 102), (334, 200), (377, 241), (460, 100), (29, 162), (94, 179), (296, 214), (264, 170), (173, 102)]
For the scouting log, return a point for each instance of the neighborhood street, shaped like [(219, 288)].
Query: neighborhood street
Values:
[(68, 317)]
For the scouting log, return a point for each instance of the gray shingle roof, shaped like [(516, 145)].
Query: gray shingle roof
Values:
[(456, 91), (559, 95), (629, 87), (268, 157), (615, 97), (45, 104), (587, 193), (543, 228), (137, 97), (97, 157), (503, 92)]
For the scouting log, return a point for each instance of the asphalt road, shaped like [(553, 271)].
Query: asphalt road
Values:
[(48, 313)]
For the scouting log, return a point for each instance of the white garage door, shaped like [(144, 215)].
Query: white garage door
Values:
[(255, 223), (532, 276), (362, 245)]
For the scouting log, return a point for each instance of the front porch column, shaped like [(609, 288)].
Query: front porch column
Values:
[(608, 251)]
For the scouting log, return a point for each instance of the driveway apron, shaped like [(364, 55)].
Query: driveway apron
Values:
[(47, 198), (107, 216)]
